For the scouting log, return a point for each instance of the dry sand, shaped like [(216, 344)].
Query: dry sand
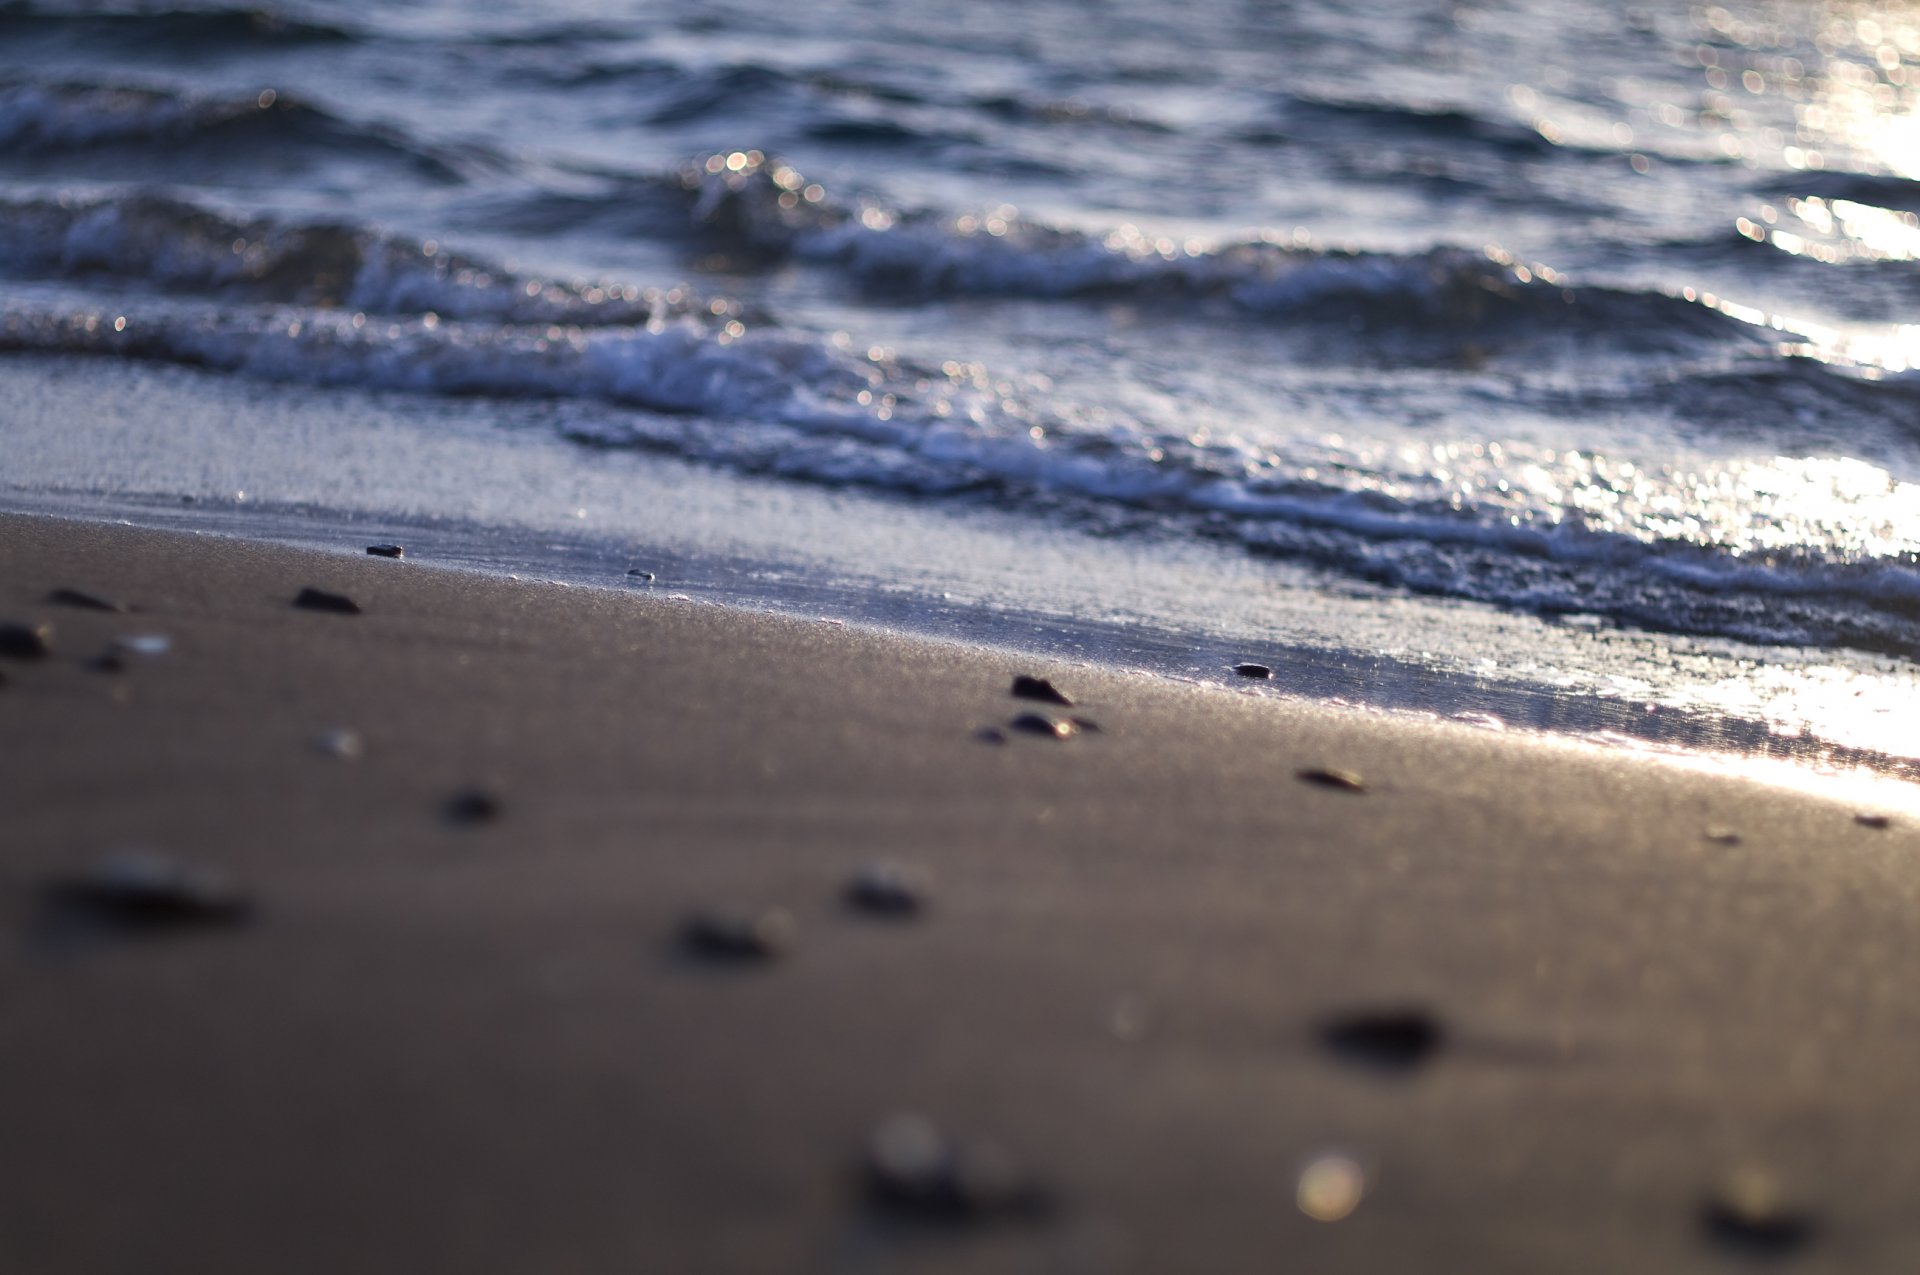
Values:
[(436, 1045)]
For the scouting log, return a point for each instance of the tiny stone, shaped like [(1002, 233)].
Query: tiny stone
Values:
[(738, 934), (342, 743), (1399, 1040), (147, 891), (638, 574), (1041, 724), (1345, 780), (1873, 821), (472, 806), (387, 551), (108, 661), (1039, 688), (917, 1173), (888, 889), (1250, 669), (26, 641), (311, 599), (1723, 836), (144, 644), (1746, 1213), (84, 601)]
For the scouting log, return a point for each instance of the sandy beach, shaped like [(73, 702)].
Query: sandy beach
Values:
[(1509, 1005)]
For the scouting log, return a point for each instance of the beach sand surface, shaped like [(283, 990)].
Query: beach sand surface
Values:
[(1603, 1011)]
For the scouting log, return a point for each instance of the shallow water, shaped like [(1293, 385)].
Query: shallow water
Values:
[(1554, 350)]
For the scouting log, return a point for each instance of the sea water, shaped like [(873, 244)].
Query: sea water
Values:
[(1547, 364)]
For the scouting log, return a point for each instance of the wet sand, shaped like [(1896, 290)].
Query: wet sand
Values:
[(455, 1018)]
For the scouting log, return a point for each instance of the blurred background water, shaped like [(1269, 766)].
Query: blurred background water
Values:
[(1545, 362)]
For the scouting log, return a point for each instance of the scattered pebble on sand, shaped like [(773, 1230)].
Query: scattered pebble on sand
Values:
[(1328, 777), (645, 577), (85, 601), (1723, 836), (1747, 1213), (916, 1172), (311, 599), (26, 641), (387, 551), (889, 889), (344, 744), (1250, 669), (1044, 726), (143, 644), (472, 805), (1397, 1040), (1330, 1188), (738, 934), (1039, 688), (1873, 821), (143, 890)]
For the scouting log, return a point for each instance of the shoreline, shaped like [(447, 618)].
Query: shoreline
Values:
[(483, 1042)]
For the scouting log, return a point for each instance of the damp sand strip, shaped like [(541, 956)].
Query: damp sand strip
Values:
[(485, 1042)]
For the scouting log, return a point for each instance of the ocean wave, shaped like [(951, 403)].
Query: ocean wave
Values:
[(1795, 553), (150, 28), (50, 119), (764, 204), (162, 243)]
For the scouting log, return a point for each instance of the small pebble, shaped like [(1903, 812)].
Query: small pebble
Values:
[(26, 641), (108, 661), (144, 644), (638, 574), (311, 599), (917, 1173), (472, 805), (1398, 1040), (343, 744), (888, 889), (84, 601), (1873, 821), (387, 551), (738, 934), (1723, 836), (1253, 670), (145, 891), (1747, 1213), (1041, 724), (1039, 688), (1345, 780)]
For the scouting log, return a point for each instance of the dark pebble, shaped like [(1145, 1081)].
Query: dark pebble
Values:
[(1399, 1040), (1747, 1214), (738, 934), (320, 600), (146, 891), (108, 661), (85, 601), (1345, 780), (1039, 688), (1873, 821), (916, 1173), (472, 806), (387, 551), (26, 641), (888, 889), (1253, 670), (1041, 724), (638, 574)]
